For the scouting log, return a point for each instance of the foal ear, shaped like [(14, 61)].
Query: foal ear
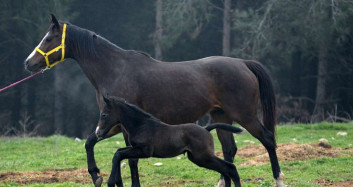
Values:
[(54, 21), (107, 101)]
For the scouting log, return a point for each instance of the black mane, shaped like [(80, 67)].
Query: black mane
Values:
[(134, 108), (82, 41)]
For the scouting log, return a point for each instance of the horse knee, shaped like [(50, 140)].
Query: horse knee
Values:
[(93, 170), (227, 142), (91, 141), (266, 137)]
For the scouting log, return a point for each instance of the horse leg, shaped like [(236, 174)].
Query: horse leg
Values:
[(267, 139), (91, 162), (133, 164), (226, 139), (219, 165), (92, 167)]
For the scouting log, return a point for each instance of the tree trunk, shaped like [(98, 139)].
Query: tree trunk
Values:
[(319, 111), (158, 32), (226, 28), (296, 71)]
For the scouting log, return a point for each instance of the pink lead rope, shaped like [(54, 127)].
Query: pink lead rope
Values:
[(18, 82)]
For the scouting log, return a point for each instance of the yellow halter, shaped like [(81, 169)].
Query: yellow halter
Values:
[(61, 46)]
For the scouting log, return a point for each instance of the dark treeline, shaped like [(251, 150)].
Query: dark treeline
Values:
[(306, 46)]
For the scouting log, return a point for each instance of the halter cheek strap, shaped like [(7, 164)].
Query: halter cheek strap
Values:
[(61, 46)]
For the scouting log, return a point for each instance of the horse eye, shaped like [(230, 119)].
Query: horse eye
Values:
[(103, 115), (48, 39)]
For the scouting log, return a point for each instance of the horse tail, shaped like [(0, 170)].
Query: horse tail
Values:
[(267, 95), (223, 126)]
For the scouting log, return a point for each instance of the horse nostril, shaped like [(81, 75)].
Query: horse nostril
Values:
[(26, 62)]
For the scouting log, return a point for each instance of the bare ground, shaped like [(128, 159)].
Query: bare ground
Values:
[(326, 182), (50, 176), (255, 155)]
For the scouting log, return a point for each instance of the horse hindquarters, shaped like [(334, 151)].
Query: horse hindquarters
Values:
[(239, 101)]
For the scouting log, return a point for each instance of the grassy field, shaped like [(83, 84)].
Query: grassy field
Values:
[(62, 153)]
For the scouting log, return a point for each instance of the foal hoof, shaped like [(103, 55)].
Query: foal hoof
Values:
[(98, 182)]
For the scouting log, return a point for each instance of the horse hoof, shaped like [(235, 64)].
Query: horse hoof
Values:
[(221, 183), (98, 182), (279, 180)]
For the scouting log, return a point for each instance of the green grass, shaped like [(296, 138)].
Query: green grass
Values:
[(58, 152)]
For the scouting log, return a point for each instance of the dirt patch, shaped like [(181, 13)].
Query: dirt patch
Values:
[(178, 183), (326, 182), (257, 154), (50, 176)]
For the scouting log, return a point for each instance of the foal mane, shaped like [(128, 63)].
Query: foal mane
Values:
[(137, 111)]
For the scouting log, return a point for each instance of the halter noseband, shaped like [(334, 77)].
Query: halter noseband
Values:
[(61, 46)]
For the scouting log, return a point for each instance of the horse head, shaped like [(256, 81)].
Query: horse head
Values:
[(51, 50)]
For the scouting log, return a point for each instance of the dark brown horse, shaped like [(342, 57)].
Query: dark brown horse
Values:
[(179, 92), (150, 137)]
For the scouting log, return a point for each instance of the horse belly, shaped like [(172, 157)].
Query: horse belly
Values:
[(178, 101)]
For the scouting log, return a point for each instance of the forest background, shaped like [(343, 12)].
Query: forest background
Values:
[(305, 45)]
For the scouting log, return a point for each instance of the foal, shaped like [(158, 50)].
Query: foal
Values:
[(149, 137)]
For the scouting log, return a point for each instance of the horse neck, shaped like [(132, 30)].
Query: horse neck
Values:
[(99, 68), (101, 61)]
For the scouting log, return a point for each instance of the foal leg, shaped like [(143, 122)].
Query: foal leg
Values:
[(219, 165), (226, 139), (266, 137), (124, 153), (133, 164)]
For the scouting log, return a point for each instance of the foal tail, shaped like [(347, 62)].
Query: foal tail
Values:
[(223, 126), (267, 95)]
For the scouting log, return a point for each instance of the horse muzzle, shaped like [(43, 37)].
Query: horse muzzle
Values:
[(32, 67)]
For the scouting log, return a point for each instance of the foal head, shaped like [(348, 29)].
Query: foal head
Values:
[(109, 116), (117, 110), (50, 50)]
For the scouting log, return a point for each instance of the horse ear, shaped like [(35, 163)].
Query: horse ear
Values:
[(54, 20)]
